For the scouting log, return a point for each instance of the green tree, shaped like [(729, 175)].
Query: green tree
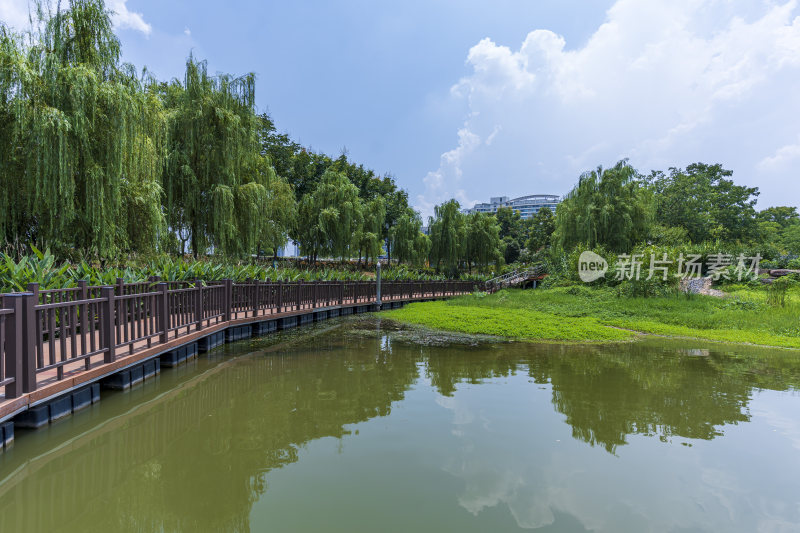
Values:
[(511, 250), (510, 222), (308, 231), (278, 214), (330, 218), (369, 236), (403, 235), (483, 242), (216, 180), (790, 239), (608, 207), (82, 137), (396, 208), (542, 226), (447, 231), (783, 216), (422, 248), (703, 201)]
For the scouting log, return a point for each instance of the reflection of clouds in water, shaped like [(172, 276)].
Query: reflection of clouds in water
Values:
[(461, 416), (781, 417), (647, 486)]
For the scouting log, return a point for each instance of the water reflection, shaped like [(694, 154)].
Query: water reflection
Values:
[(194, 453), (657, 388), (195, 458)]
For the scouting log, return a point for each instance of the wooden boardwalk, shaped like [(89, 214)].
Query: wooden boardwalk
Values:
[(57, 341)]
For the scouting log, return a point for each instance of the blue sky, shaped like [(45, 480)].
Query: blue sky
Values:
[(473, 99)]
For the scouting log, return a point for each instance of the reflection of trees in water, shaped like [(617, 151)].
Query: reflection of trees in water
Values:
[(610, 392), (447, 367), (609, 395), (196, 458), (239, 421)]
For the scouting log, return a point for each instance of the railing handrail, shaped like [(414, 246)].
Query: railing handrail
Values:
[(50, 330)]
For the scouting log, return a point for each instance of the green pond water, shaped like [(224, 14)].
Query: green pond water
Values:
[(353, 425)]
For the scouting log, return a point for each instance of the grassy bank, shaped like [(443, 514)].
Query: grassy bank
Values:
[(584, 315)]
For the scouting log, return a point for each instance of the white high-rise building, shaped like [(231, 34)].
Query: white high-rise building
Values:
[(526, 205)]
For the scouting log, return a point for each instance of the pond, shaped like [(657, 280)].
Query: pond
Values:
[(356, 425)]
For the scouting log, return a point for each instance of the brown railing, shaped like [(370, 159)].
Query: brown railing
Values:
[(47, 335)]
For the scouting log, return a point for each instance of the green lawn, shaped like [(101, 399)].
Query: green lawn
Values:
[(583, 314)]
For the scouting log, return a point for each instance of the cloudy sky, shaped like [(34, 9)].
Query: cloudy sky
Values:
[(469, 99)]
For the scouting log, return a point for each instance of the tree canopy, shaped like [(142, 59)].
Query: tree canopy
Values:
[(609, 207), (102, 160)]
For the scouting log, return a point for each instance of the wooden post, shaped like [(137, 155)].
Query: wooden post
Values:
[(198, 303), (314, 295), (299, 295), (28, 341), (378, 285), (280, 296), (162, 312), (34, 288), (256, 286), (14, 342), (120, 287), (83, 288), (108, 337), (228, 299)]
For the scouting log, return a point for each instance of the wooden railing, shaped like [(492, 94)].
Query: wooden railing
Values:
[(46, 335)]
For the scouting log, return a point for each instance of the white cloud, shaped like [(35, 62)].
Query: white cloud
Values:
[(127, 19), (439, 185), (782, 157), (15, 14), (664, 83)]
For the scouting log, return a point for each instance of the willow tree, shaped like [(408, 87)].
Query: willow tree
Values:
[(403, 235), (447, 234), (341, 213), (330, 218), (483, 243), (609, 207), (368, 238), (407, 240), (82, 139), (221, 192)]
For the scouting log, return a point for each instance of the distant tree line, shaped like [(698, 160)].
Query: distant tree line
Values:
[(618, 209)]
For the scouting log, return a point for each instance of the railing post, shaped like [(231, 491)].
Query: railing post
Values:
[(34, 288), (280, 296), (108, 337), (14, 342), (299, 295), (314, 295), (83, 288), (256, 286), (162, 312), (120, 287), (198, 303), (228, 299), (28, 340), (378, 285)]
